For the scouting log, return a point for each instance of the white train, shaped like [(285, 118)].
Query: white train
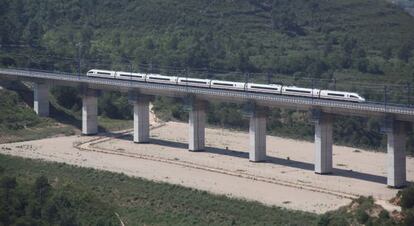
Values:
[(228, 85)]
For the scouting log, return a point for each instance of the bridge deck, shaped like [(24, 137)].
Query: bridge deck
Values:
[(403, 113)]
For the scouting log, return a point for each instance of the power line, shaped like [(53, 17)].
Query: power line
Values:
[(204, 70)]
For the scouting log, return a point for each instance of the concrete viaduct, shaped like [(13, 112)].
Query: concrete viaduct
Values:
[(396, 118)]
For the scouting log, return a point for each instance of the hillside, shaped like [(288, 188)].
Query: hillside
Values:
[(138, 201), (315, 38), (40, 192), (358, 45)]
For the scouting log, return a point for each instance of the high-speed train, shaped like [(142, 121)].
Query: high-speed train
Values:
[(228, 85)]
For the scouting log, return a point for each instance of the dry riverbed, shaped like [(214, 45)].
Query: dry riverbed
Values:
[(286, 179)]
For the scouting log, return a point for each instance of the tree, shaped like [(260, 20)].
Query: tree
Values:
[(8, 183), (407, 198), (41, 188), (404, 53)]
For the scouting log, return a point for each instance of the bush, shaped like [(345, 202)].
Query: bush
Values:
[(13, 114), (41, 204), (409, 217), (67, 97), (384, 215), (324, 220), (407, 198), (361, 216)]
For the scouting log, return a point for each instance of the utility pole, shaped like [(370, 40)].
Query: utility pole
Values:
[(268, 77), (313, 87), (409, 93), (150, 66), (79, 45), (246, 77), (385, 96)]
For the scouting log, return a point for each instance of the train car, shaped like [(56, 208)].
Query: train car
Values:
[(101, 73), (155, 78), (228, 85), (130, 76), (339, 95), (194, 82), (298, 91), (217, 84), (262, 88)]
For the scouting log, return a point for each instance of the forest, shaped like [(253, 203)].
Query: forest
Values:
[(366, 46)]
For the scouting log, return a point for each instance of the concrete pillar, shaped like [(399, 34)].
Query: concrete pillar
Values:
[(141, 120), (90, 112), (323, 143), (41, 99), (197, 118), (396, 136), (257, 133)]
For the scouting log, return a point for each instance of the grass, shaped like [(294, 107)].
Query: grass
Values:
[(108, 124), (24, 124), (143, 202), (53, 128), (35, 133)]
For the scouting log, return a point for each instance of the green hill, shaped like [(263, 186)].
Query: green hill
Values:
[(306, 37)]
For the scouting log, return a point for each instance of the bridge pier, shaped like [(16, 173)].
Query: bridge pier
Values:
[(257, 133), (396, 139), (197, 118), (323, 142), (41, 99), (90, 112), (141, 119)]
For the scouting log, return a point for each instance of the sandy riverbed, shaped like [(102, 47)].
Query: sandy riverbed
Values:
[(286, 179)]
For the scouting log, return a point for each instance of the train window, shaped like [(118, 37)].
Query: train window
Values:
[(297, 91), (103, 73), (223, 84), (125, 75), (268, 88), (336, 94), (352, 96), (192, 81), (164, 79)]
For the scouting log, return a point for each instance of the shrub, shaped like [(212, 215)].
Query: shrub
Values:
[(361, 216), (407, 197), (324, 220), (13, 115), (409, 217)]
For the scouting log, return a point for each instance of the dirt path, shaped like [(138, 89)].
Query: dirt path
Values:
[(92, 146)]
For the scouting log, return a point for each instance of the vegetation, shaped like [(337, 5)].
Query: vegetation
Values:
[(13, 114), (407, 197), (357, 45), (40, 203), (18, 122), (96, 195), (55, 193), (363, 211)]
